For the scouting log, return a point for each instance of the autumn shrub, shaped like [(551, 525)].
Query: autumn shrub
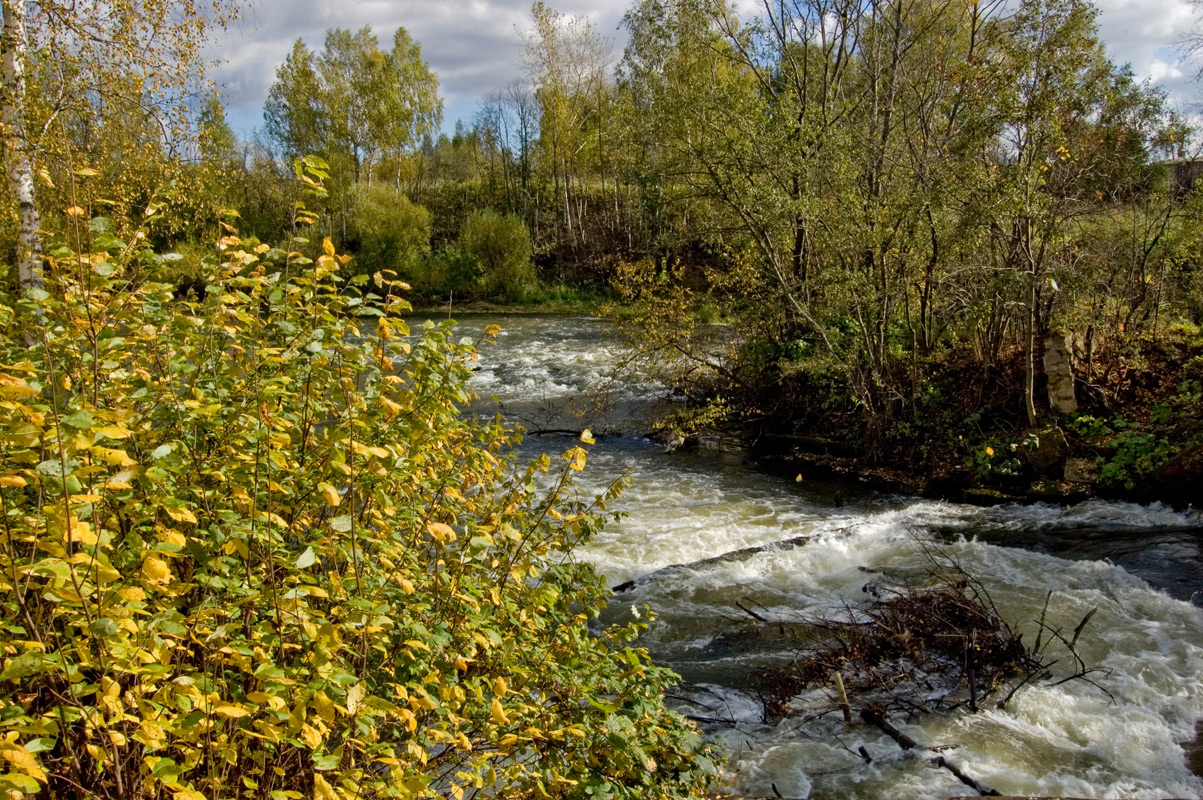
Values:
[(252, 548)]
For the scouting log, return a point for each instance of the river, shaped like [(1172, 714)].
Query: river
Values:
[(704, 531)]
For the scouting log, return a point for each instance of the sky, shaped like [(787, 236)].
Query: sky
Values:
[(474, 45)]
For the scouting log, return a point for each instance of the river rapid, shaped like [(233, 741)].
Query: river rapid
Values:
[(705, 531)]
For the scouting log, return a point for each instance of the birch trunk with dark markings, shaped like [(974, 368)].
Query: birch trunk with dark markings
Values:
[(16, 144)]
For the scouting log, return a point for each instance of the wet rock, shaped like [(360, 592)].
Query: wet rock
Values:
[(1058, 491), (988, 497), (1183, 474), (682, 444), (1045, 450), (1083, 471)]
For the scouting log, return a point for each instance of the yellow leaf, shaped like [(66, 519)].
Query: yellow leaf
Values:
[(509, 740), (114, 432), (321, 789), (173, 537), (355, 696), (362, 449), (440, 532), (75, 211), (236, 547), (120, 481), (391, 409), (330, 494), (576, 459), (325, 706), (22, 759), (587, 436), (113, 457), (273, 702), (497, 713), (155, 570), (499, 687), (11, 481), (131, 594), (230, 711), (311, 737), (180, 514), (407, 586)]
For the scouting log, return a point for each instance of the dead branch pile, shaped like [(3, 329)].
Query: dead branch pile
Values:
[(909, 651)]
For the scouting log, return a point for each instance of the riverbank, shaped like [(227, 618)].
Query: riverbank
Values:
[(963, 434)]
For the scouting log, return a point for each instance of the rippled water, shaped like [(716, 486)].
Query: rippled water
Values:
[(703, 532)]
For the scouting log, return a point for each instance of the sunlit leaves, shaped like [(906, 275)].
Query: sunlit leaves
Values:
[(258, 569)]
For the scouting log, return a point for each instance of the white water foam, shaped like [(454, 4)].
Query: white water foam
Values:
[(1074, 739)]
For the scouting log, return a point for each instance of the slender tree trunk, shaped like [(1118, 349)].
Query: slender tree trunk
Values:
[(16, 145), (1029, 375)]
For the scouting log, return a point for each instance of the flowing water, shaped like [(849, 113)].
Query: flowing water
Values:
[(704, 531)]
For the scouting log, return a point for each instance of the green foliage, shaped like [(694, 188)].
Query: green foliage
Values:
[(993, 459), (251, 548), (359, 106), (1134, 457), (501, 246), (391, 232)]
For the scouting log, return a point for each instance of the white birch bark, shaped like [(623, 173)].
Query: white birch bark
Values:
[(16, 143)]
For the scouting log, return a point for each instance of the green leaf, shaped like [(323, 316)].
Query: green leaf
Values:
[(341, 524), (326, 762), (80, 420), (25, 665), (307, 558)]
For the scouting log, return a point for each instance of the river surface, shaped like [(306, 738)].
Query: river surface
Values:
[(705, 531)]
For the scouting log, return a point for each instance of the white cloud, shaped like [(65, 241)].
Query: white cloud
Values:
[(474, 45), (1145, 33), (1160, 71)]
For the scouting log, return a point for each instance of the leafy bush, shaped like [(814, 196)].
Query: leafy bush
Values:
[(251, 548), (389, 231), (449, 271), (501, 245)]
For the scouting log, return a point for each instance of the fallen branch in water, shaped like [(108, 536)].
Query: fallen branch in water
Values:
[(907, 743)]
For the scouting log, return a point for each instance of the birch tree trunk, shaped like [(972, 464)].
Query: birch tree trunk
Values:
[(17, 146)]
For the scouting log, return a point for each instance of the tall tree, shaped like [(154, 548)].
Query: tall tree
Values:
[(566, 60), (354, 103)]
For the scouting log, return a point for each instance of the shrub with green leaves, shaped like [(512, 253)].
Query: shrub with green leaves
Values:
[(389, 232), (252, 549), (501, 246)]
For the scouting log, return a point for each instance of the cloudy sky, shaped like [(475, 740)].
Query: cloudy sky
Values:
[(474, 45)]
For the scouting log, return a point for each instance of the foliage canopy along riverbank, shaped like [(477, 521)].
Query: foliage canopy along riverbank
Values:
[(252, 548), (899, 208)]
